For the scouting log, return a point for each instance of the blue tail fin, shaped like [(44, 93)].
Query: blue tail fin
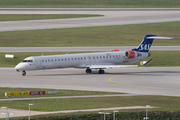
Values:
[(145, 44)]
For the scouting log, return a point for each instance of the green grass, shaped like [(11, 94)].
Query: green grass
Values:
[(120, 35), (59, 92), (164, 103), (160, 58), (15, 17), (89, 4), (163, 59)]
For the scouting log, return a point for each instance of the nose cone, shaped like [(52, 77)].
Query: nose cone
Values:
[(20, 67)]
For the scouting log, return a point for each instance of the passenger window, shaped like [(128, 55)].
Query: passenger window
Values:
[(68, 58), (48, 60), (45, 60), (71, 58), (42, 60), (52, 60), (61, 59), (84, 57), (58, 59)]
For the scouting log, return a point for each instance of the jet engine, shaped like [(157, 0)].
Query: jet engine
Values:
[(132, 54)]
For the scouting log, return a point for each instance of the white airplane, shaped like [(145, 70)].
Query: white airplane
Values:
[(88, 61)]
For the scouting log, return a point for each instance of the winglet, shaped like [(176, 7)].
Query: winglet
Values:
[(146, 63)]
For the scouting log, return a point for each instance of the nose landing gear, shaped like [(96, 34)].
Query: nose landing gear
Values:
[(23, 73)]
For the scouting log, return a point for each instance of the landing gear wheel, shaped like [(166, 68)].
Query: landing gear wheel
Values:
[(88, 70), (101, 71), (24, 73)]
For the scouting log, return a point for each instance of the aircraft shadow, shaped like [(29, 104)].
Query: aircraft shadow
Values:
[(147, 73)]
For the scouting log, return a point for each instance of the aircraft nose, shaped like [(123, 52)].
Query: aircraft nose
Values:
[(20, 67)]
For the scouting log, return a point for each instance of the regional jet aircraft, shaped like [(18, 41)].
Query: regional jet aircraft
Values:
[(89, 61)]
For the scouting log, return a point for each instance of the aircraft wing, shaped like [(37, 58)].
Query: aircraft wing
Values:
[(110, 66), (115, 66)]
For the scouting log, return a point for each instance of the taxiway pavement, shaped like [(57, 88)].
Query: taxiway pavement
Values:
[(70, 49), (140, 80), (112, 17)]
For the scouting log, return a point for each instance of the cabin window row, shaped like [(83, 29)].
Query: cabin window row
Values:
[(81, 58)]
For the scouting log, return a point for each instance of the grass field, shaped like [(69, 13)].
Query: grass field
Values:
[(120, 35), (160, 58), (59, 92), (164, 103), (89, 4), (14, 17)]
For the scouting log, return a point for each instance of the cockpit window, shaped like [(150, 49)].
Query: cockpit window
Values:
[(24, 61), (30, 60), (27, 61)]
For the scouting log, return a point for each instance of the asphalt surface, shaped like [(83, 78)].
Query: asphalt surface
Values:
[(137, 81), (69, 49), (112, 17), (140, 80)]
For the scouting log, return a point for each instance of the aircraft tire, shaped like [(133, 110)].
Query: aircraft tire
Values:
[(101, 71), (88, 71), (24, 73)]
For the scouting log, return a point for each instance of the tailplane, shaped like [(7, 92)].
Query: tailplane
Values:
[(147, 42)]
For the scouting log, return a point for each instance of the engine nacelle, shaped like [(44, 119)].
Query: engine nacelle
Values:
[(131, 54)]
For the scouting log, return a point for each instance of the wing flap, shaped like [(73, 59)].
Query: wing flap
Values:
[(110, 66)]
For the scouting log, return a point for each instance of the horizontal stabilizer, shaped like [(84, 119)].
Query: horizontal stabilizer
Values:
[(158, 37)]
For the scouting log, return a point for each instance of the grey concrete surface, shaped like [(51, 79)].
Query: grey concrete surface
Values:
[(140, 80), (112, 17), (69, 49)]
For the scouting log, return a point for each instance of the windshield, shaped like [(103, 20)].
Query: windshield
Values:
[(27, 61)]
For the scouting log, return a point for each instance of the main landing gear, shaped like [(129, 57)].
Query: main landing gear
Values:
[(101, 71), (23, 73), (90, 71)]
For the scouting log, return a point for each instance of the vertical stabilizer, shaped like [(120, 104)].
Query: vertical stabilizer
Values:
[(147, 42)]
